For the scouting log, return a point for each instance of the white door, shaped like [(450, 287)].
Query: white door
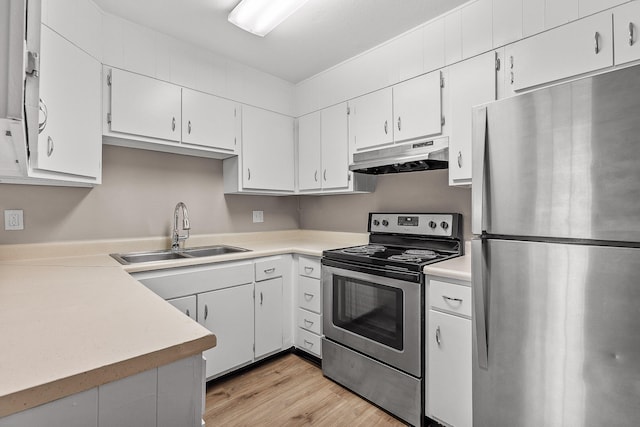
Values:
[(372, 118), (335, 147), (576, 48), (209, 121), (626, 26), (309, 152), (187, 305), (267, 150), (471, 82), (268, 316), (449, 396), (144, 106), (228, 313), (71, 142), (417, 107)]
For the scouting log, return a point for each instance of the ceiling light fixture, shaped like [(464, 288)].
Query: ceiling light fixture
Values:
[(261, 16)]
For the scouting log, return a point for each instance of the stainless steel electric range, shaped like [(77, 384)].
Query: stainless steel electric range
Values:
[(373, 302)]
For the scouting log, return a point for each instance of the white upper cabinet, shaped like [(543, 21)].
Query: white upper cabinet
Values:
[(532, 17), (144, 106), (558, 12), (476, 28), (267, 150), (588, 7), (507, 21), (453, 37), (417, 108), (626, 26), (433, 45), (470, 82), (576, 48), (70, 142), (309, 152), (372, 119), (335, 147), (209, 121)]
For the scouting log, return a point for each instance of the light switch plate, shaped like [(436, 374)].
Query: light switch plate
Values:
[(258, 216), (13, 219)]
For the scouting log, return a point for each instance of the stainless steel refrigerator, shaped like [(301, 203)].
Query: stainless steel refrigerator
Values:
[(556, 256)]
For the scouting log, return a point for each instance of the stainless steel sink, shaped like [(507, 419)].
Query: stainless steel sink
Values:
[(166, 255)]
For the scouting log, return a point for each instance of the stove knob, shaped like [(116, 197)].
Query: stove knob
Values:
[(432, 224), (376, 222), (385, 222), (444, 225)]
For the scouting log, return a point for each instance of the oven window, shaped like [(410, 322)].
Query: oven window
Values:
[(370, 310)]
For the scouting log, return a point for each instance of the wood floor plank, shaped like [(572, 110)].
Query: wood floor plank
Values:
[(288, 391)]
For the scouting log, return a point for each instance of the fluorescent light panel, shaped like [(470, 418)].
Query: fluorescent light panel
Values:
[(261, 16)]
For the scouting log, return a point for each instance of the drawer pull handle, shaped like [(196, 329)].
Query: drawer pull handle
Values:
[(269, 270), (308, 296), (308, 269), (308, 323), (438, 338), (308, 343), (456, 300), (206, 311)]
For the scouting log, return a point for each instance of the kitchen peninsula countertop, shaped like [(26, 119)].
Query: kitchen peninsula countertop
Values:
[(66, 325)]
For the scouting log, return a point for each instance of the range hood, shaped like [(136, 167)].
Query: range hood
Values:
[(413, 157)]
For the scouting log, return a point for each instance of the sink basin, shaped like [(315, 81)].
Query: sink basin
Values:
[(166, 255)]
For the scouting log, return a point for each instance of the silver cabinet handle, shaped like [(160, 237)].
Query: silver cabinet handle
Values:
[(386, 130), (173, 124), (248, 174), (206, 311), (261, 298), (315, 176), (324, 175), (308, 269), (308, 343), (188, 313), (631, 30), (459, 159), (43, 124), (456, 300), (597, 42), (189, 127), (49, 146), (308, 323), (438, 338), (512, 77), (269, 270), (308, 296), (399, 122)]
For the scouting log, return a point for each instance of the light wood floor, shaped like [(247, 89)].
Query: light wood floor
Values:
[(288, 391)]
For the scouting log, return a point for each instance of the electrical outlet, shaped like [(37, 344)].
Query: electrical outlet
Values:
[(13, 219), (258, 216)]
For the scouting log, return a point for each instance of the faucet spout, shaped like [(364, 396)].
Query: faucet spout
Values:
[(176, 236)]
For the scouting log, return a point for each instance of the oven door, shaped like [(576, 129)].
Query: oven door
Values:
[(375, 315)]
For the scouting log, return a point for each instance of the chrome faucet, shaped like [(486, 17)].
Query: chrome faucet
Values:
[(176, 237)]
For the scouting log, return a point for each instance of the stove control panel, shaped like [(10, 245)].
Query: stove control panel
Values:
[(416, 224)]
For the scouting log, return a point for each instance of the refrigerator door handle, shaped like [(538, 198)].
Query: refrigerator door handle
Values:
[(479, 315), (478, 224)]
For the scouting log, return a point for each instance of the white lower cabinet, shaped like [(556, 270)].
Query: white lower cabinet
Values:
[(309, 307), (228, 313), (268, 317), (449, 358), (187, 305)]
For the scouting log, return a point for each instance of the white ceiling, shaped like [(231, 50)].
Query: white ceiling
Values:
[(321, 34)]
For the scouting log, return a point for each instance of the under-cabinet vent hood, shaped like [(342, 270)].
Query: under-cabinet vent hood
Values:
[(418, 156)]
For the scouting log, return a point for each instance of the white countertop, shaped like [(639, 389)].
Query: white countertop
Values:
[(456, 268)]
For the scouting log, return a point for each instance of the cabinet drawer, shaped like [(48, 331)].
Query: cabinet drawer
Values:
[(310, 321), (268, 268), (309, 267), (450, 297), (309, 294), (309, 342)]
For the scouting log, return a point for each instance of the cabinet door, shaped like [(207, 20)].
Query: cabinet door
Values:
[(417, 108), (372, 117), (144, 106), (268, 316), (449, 396), (558, 12), (507, 21), (71, 142), (228, 313), (335, 147), (626, 25), (477, 29), (471, 82), (187, 305), (580, 47), (309, 152), (267, 150), (208, 120)]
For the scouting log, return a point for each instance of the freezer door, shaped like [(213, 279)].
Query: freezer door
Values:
[(562, 335), (562, 161)]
